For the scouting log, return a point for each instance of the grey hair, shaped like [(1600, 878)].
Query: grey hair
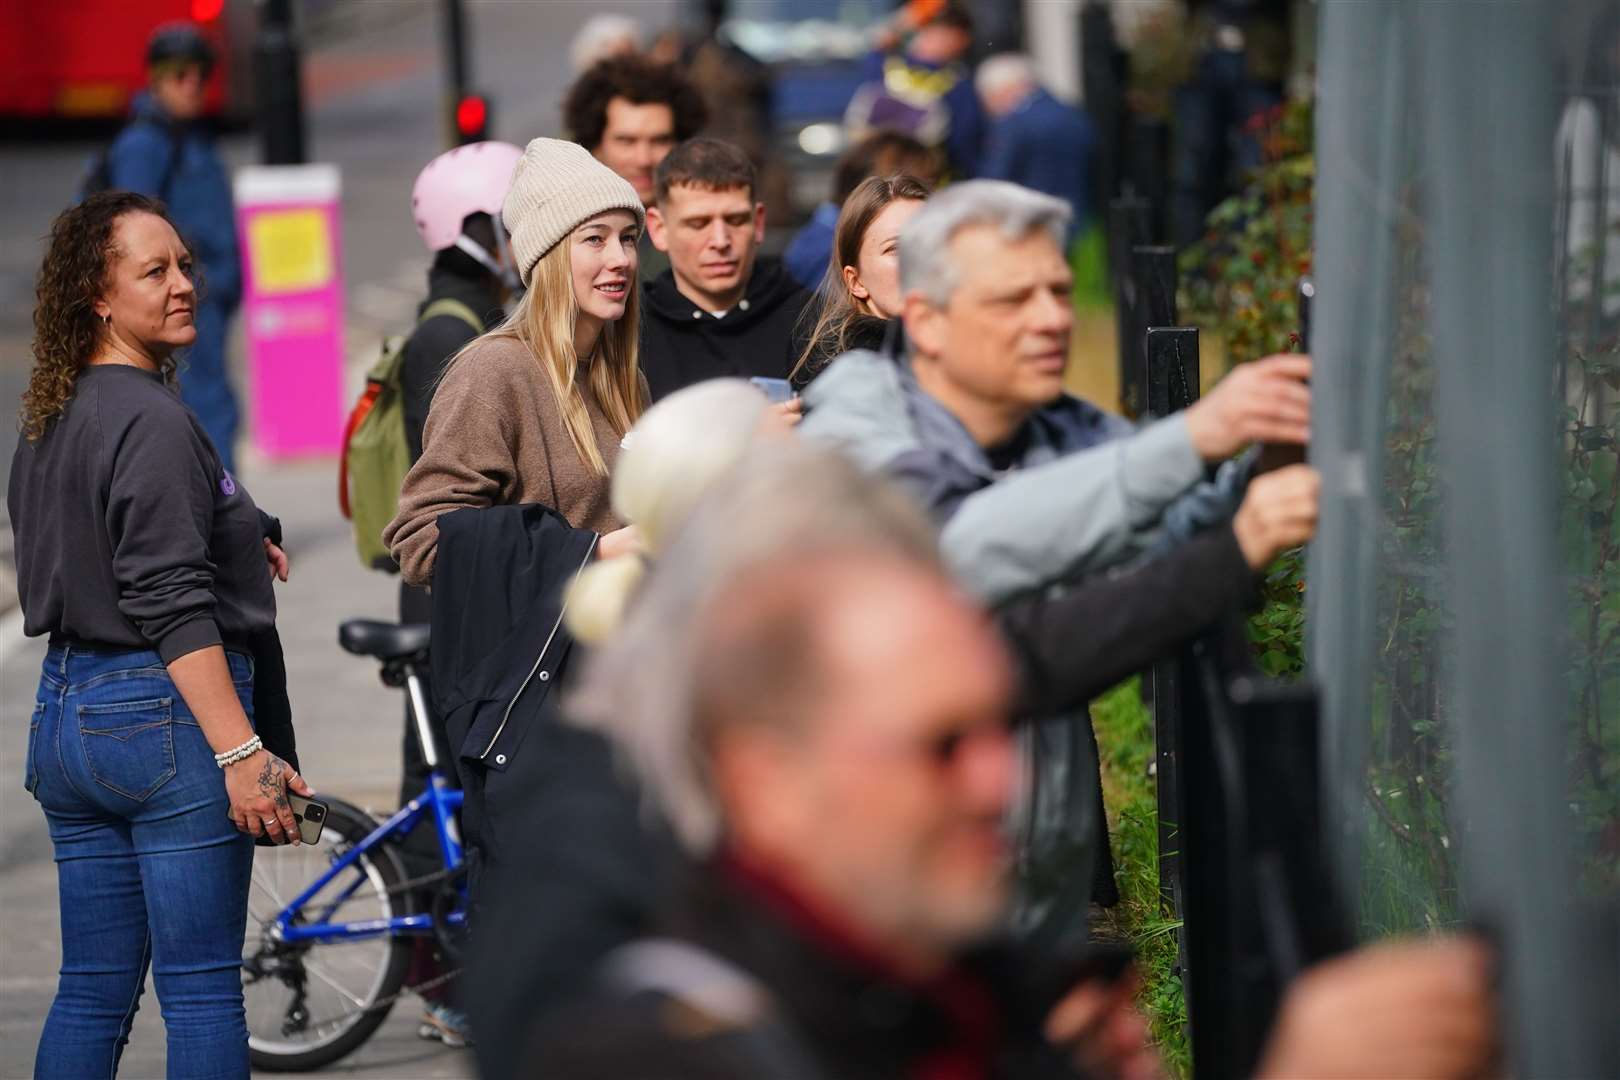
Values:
[(1003, 70), (603, 36), (789, 501), (925, 259)]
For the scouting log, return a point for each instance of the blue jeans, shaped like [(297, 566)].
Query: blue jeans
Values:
[(150, 870)]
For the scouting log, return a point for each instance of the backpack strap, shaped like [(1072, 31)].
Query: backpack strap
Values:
[(357, 416), (382, 374), (715, 987), (449, 305)]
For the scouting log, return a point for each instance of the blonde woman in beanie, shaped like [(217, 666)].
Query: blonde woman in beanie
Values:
[(534, 410)]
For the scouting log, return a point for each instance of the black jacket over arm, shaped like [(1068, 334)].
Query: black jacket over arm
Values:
[(1074, 642), (565, 866), (498, 637)]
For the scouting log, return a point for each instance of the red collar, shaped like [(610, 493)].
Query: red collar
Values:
[(962, 998)]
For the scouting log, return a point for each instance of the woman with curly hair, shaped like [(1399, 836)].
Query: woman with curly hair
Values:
[(145, 562)]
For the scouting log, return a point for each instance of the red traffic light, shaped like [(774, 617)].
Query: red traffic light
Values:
[(472, 116)]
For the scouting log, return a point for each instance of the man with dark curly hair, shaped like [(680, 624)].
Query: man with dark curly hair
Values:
[(629, 112)]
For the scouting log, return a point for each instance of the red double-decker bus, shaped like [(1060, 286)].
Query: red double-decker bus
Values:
[(83, 59)]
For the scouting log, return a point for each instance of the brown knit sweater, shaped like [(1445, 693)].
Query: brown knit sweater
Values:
[(495, 437)]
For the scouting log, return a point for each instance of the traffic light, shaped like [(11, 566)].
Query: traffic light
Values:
[(472, 119)]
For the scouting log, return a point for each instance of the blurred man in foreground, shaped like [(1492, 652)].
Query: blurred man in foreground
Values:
[(828, 737)]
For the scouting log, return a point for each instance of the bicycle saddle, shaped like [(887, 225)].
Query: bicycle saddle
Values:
[(385, 641)]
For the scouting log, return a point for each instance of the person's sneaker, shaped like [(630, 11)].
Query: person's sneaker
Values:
[(445, 1024)]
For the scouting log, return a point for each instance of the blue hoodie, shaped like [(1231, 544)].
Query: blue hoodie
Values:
[(177, 162)]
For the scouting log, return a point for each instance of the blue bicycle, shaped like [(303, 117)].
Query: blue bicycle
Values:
[(331, 926)]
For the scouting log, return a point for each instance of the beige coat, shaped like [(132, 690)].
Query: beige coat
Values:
[(494, 437)]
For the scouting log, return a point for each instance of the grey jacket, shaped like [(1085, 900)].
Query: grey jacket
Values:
[(1086, 490)]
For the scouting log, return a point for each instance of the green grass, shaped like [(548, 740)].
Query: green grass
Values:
[(1125, 737)]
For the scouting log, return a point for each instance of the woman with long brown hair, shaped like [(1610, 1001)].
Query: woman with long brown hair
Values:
[(861, 290), (145, 561)]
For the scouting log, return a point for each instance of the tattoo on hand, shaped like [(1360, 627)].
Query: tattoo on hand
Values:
[(272, 780)]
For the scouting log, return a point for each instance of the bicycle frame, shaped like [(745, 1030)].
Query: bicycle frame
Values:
[(440, 799)]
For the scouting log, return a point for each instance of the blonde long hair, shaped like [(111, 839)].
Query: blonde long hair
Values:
[(544, 321)]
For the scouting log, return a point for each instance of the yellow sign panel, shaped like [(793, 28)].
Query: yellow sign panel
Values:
[(291, 251)]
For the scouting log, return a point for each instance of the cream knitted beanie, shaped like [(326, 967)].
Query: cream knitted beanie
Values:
[(556, 186)]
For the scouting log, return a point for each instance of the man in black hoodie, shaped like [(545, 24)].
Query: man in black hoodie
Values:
[(721, 308)]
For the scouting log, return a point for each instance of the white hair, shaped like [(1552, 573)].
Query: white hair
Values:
[(669, 459), (1004, 70), (925, 241), (787, 503), (603, 36)]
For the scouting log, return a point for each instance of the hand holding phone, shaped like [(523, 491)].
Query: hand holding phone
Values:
[(1275, 456), (309, 814)]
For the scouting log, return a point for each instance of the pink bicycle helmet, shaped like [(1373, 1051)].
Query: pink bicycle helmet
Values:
[(467, 180)]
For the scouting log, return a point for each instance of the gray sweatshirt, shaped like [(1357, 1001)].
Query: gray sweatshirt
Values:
[(129, 531)]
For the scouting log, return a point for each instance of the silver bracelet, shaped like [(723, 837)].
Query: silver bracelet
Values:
[(241, 753)]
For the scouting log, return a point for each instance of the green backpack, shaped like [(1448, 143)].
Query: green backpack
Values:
[(376, 455)]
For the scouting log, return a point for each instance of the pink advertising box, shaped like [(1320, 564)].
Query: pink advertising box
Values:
[(290, 224)]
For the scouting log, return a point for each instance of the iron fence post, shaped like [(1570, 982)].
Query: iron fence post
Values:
[(280, 96)]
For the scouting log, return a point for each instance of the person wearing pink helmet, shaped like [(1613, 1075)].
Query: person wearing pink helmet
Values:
[(456, 204)]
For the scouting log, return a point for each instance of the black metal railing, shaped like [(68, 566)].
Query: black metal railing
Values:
[(1242, 863)]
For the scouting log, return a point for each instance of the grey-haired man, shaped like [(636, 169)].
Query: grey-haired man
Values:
[(1032, 486)]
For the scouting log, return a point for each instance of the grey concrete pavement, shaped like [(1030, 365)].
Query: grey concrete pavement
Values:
[(374, 86)]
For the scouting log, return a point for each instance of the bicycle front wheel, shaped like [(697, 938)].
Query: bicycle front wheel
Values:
[(311, 1003)]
